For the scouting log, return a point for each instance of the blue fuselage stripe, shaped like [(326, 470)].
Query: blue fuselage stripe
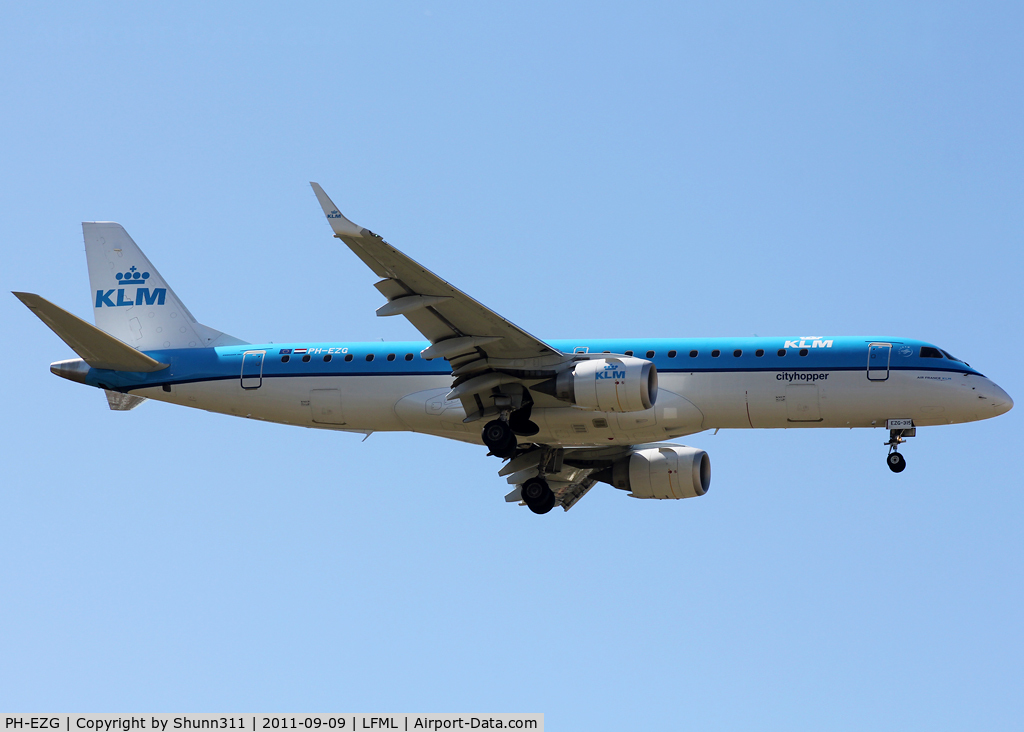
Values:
[(215, 364)]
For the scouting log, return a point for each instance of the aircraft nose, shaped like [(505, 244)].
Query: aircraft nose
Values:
[(1001, 401)]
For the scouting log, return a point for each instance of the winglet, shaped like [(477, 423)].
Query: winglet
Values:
[(97, 348), (341, 225)]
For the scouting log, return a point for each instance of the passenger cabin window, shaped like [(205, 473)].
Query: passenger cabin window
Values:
[(782, 351), (328, 358), (693, 354), (391, 357), (929, 352), (759, 352), (671, 354), (803, 351), (629, 353), (408, 357), (650, 354), (369, 357), (305, 359), (737, 353), (716, 353), (348, 356), (285, 359)]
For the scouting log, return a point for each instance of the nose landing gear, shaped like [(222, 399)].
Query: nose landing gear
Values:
[(896, 462)]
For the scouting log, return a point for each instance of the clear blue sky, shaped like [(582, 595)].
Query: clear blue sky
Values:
[(585, 169)]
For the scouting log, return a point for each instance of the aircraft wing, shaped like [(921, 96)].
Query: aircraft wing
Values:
[(458, 327)]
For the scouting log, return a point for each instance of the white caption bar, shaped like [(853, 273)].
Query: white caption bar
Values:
[(266, 722)]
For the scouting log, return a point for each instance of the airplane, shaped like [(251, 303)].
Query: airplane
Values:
[(562, 415)]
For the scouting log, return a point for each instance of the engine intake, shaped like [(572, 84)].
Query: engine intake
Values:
[(610, 384), (661, 472)]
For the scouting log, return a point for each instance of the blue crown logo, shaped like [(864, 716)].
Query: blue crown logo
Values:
[(132, 277), (334, 214)]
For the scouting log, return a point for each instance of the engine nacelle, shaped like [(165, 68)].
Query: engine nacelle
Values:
[(611, 384), (662, 472)]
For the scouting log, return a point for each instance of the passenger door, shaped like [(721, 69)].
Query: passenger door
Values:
[(252, 369), (878, 361)]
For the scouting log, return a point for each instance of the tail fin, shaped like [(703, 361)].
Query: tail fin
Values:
[(132, 302)]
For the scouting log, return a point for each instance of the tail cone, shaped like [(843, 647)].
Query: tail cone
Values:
[(74, 369)]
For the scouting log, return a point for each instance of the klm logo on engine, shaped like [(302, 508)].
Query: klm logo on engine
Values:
[(815, 342), (142, 295), (610, 372)]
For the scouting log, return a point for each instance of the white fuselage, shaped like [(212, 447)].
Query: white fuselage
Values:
[(686, 403)]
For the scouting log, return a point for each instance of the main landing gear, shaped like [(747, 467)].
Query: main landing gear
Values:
[(500, 434), (538, 497), (896, 462), (499, 438)]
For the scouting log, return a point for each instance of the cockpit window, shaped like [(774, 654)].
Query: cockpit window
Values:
[(950, 356), (929, 352)]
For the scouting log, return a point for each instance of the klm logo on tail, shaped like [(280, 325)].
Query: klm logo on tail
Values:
[(143, 295)]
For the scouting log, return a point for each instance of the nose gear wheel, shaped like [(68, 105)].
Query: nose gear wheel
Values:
[(896, 462)]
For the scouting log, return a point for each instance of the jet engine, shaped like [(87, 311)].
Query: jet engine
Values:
[(612, 384), (666, 471)]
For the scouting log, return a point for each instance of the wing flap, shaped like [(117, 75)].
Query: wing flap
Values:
[(408, 304)]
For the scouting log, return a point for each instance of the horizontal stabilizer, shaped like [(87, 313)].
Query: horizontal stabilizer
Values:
[(98, 349)]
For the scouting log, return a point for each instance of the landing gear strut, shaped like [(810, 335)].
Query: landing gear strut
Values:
[(538, 497), (519, 420), (896, 462), (499, 438)]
